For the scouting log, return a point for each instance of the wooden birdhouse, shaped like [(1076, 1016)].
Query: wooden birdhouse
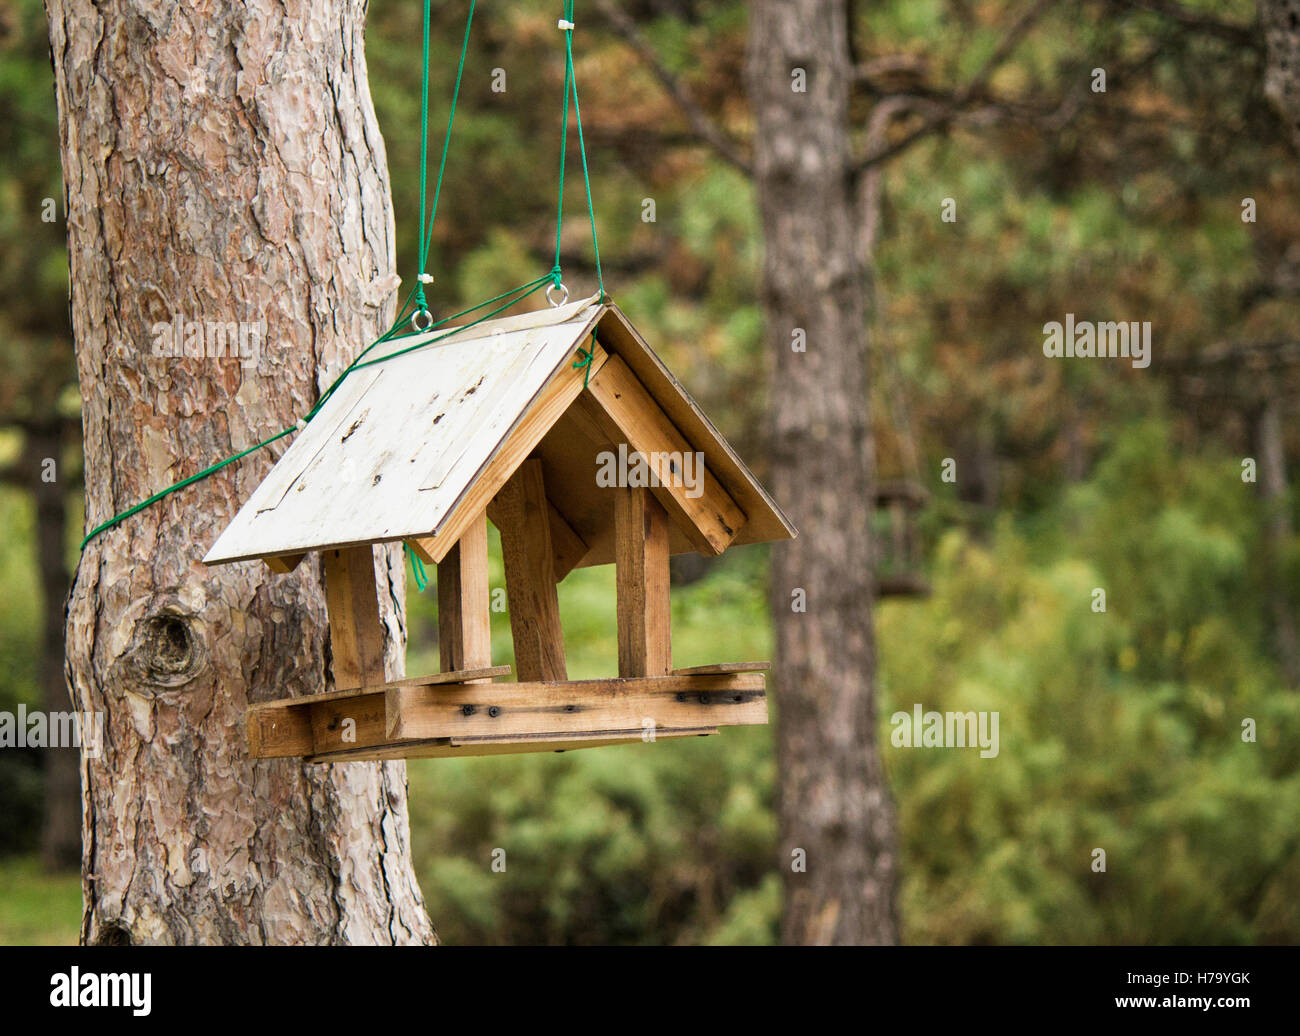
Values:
[(565, 431), (898, 560)]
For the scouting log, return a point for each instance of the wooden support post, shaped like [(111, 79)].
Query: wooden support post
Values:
[(520, 514), (641, 560), (569, 546), (464, 626), (356, 631)]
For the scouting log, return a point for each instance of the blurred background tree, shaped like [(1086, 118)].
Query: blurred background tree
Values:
[(1120, 730), (40, 434)]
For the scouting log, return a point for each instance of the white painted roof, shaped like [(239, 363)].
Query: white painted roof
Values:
[(391, 452)]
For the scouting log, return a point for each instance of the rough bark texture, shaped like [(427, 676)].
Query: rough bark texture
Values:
[(1281, 23), (223, 163), (834, 803)]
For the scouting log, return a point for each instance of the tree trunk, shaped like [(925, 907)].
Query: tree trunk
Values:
[(1279, 534), (223, 164), (61, 822), (834, 803), (1281, 23)]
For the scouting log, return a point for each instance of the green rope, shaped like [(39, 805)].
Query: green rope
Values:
[(417, 570), (424, 156), (564, 142), (531, 286), (571, 90), (179, 485), (387, 336), (415, 302), (426, 230), (582, 145), (585, 357)]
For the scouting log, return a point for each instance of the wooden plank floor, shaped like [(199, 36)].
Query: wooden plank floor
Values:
[(418, 717)]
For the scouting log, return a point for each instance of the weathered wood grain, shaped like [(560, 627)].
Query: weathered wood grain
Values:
[(620, 404), (568, 547), (464, 622), (356, 630), (403, 716), (462, 676), (765, 521), (397, 447), (532, 426), (522, 709), (643, 606), (417, 488), (724, 667), (446, 748), (522, 518)]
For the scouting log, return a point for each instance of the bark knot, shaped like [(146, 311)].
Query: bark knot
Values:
[(169, 648)]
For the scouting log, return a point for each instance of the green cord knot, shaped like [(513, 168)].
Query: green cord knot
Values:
[(556, 279), (583, 363)]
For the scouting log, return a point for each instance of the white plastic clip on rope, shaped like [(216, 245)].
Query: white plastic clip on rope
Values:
[(565, 26)]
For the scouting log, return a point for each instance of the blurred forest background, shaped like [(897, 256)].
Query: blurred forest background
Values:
[(1120, 729)]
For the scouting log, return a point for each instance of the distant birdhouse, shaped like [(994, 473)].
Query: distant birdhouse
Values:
[(564, 430), (898, 560)]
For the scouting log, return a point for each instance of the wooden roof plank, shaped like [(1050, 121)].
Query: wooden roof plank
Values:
[(409, 448), (620, 403), (392, 453), (550, 403), (765, 521)]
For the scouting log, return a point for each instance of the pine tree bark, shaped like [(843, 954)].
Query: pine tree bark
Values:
[(223, 163), (834, 803), (1280, 20)]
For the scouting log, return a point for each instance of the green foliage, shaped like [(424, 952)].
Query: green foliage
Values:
[(37, 909), (638, 844), (1119, 730), (35, 344), (20, 776), (19, 615), (665, 842)]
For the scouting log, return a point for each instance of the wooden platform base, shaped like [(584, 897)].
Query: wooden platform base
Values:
[(447, 715)]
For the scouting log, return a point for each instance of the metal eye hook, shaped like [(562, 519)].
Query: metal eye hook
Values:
[(564, 297), (421, 320)]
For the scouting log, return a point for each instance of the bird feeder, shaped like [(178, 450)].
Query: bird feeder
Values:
[(568, 433), (898, 564)]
